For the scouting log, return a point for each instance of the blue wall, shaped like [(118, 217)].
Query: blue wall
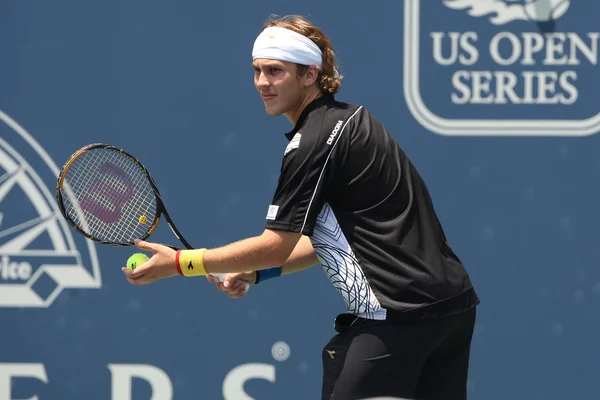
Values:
[(171, 82)]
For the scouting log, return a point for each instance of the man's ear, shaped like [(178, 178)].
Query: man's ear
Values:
[(311, 75)]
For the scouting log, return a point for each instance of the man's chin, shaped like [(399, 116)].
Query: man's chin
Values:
[(272, 111)]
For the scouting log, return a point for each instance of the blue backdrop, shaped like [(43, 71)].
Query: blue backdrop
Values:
[(500, 118)]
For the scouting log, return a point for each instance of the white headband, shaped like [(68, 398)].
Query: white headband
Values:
[(286, 45)]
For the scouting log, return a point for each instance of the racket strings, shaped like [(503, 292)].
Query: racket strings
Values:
[(143, 203), (105, 193)]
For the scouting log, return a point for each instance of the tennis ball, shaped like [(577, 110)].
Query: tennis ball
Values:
[(143, 219), (136, 260)]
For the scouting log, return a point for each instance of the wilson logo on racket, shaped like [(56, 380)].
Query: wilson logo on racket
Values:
[(107, 193)]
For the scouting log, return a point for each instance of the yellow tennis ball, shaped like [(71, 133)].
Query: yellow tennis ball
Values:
[(136, 260), (143, 219)]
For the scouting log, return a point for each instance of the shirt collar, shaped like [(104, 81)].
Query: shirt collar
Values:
[(324, 100)]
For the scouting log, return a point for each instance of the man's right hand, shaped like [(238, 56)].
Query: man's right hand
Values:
[(230, 286)]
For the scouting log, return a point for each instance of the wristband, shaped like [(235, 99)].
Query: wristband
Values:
[(190, 262), (266, 274)]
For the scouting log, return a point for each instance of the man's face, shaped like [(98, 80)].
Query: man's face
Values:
[(279, 85)]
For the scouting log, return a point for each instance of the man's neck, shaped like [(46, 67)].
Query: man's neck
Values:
[(309, 98)]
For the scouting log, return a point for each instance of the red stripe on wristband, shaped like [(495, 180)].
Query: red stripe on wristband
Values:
[(177, 262)]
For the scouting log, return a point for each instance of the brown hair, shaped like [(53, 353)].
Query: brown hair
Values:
[(328, 82)]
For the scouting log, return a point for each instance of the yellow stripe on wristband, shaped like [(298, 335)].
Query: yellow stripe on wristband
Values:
[(191, 262)]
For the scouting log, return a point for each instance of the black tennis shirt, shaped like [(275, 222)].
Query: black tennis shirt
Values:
[(346, 183)]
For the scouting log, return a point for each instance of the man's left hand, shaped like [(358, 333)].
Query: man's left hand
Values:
[(160, 266)]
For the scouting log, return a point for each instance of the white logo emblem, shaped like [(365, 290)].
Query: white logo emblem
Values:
[(272, 213), (39, 255), (334, 132), (293, 144), (510, 10), (510, 74)]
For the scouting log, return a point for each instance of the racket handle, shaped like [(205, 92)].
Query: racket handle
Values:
[(222, 279)]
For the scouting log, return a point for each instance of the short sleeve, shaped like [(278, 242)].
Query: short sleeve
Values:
[(308, 173)]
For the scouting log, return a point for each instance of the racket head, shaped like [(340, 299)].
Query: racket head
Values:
[(107, 195)]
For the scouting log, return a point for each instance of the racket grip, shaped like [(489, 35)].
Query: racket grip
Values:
[(222, 279)]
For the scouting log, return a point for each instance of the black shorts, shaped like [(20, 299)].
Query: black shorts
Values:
[(427, 360)]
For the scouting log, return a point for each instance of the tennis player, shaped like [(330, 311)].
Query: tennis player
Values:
[(348, 198)]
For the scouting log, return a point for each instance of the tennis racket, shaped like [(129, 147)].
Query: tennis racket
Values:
[(108, 196)]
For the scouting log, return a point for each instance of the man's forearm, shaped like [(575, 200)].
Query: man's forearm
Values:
[(268, 250)]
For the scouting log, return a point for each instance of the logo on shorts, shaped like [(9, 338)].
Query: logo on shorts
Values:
[(39, 254), (502, 67)]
